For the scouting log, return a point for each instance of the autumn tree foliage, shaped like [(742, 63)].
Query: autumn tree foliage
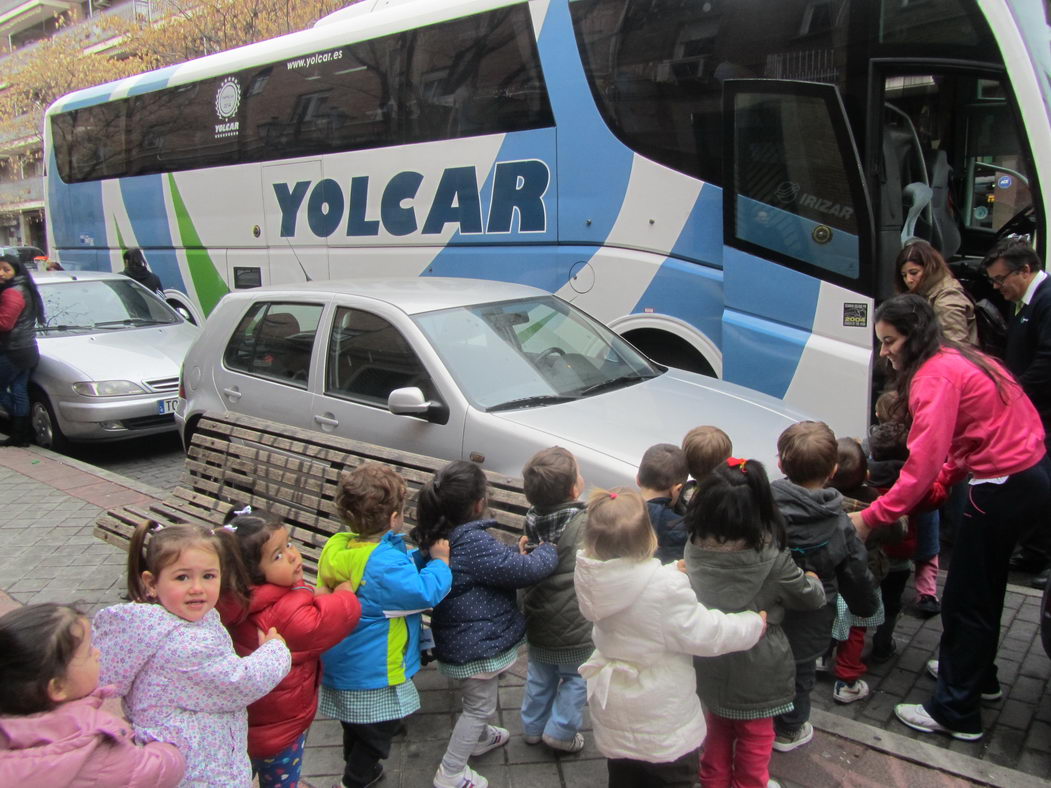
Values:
[(112, 47)]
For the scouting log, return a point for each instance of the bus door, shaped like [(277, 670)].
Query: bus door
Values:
[(949, 164), (295, 201), (798, 259)]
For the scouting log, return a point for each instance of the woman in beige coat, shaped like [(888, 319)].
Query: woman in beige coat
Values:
[(923, 271)]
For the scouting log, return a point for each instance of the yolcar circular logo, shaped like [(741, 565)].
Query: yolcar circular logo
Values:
[(228, 98)]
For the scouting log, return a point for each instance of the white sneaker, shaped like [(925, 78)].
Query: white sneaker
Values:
[(989, 697), (468, 778), (787, 743), (531, 739), (576, 744), (495, 737), (917, 718), (848, 692)]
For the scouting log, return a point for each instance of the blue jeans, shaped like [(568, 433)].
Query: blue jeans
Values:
[(554, 700), (14, 388)]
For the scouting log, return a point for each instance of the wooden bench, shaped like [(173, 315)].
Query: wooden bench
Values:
[(293, 473)]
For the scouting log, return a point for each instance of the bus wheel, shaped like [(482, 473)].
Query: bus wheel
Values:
[(669, 350)]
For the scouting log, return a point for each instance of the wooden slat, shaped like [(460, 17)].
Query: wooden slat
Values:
[(293, 473)]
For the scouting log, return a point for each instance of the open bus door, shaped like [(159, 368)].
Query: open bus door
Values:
[(798, 250)]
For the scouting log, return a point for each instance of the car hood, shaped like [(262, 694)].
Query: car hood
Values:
[(128, 354), (663, 410)]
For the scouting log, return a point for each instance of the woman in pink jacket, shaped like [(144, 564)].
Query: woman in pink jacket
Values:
[(54, 731), (967, 415)]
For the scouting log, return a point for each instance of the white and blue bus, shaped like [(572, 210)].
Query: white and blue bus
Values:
[(726, 183)]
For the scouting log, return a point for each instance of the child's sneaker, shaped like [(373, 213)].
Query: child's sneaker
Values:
[(532, 739), (850, 691), (468, 778), (823, 664), (576, 744), (495, 737), (786, 742)]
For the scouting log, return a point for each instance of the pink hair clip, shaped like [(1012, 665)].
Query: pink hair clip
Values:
[(613, 496)]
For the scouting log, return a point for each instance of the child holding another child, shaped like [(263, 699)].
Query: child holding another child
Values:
[(559, 636), (736, 561), (648, 623), (172, 661), (477, 627), (367, 679), (267, 590), (822, 540)]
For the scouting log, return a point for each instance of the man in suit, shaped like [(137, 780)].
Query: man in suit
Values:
[(1015, 270)]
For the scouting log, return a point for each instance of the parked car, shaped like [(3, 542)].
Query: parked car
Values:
[(460, 369), (26, 255), (110, 354)]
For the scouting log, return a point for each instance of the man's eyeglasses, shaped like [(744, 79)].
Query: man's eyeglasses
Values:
[(998, 281)]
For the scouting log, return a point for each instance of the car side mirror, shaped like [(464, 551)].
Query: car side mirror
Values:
[(409, 401)]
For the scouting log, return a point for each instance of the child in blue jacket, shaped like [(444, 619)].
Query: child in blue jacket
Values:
[(477, 627), (360, 685)]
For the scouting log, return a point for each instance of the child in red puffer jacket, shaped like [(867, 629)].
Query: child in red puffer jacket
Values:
[(267, 590)]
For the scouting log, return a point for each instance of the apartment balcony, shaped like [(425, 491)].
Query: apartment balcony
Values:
[(23, 195)]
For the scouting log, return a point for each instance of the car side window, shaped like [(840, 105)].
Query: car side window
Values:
[(368, 358), (275, 340)]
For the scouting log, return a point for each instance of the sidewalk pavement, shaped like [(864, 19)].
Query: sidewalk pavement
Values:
[(51, 503)]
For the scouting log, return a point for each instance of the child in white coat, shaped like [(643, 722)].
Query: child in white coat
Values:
[(648, 624)]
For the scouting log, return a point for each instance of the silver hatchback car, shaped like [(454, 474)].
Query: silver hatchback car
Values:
[(458, 369), (110, 354)]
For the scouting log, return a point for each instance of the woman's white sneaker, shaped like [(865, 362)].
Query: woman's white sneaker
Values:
[(916, 717), (988, 697), (468, 778)]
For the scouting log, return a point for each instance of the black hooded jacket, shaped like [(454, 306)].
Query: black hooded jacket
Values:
[(822, 540)]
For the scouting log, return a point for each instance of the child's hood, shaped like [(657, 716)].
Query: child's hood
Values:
[(729, 580), (883, 473), (59, 741), (605, 588), (345, 556), (129, 635), (811, 516)]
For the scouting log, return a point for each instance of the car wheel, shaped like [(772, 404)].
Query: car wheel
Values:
[(46, 431)]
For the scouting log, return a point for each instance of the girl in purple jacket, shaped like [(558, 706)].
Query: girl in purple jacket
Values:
[(54, 730)]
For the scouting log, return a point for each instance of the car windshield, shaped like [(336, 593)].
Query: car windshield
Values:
[(101, 305), (529, 352)]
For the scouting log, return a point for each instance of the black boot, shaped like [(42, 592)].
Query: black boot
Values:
[(21, 432)]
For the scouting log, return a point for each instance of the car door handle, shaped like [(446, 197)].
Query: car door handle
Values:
[(327, 421), (234, 394)]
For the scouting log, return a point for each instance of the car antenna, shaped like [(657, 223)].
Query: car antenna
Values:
[(301, 266)]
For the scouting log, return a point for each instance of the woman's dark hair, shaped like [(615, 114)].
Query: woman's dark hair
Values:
[(734, 504), (134, 258), (23, 278), (913, 317), (920, 252), (448, 500), (244, 534), (37, 643)]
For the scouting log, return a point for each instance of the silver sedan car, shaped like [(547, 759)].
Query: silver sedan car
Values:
[(110, 354), (458, 369)]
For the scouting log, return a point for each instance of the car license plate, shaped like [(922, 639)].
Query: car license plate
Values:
[(165, 406)]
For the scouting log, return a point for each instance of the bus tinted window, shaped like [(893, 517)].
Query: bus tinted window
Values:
[(657, 67), (931, 22), (475, 75)]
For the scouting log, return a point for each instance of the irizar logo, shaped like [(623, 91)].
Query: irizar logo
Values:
[(789, 192), (518, 190), (227, 101)]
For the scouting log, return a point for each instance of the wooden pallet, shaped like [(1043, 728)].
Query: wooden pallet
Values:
[(294, 473)]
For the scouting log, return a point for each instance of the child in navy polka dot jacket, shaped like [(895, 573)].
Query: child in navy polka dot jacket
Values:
[(478, 627)]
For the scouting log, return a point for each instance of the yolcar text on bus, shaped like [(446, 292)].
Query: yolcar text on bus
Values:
[(518, 187)]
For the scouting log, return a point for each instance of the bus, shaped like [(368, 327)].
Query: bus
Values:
[(725, 183)]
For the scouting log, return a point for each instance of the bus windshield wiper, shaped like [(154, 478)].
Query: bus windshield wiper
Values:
[(615, 383), (531, 402)]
